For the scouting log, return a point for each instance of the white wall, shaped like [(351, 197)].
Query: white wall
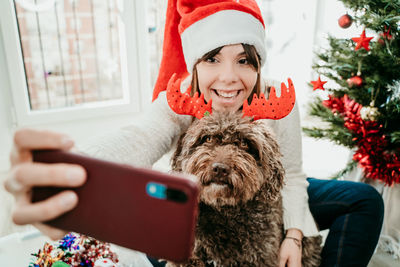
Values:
[(290, 28), (5, 109)]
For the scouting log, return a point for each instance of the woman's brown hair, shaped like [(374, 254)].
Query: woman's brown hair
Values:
[(252, 57)]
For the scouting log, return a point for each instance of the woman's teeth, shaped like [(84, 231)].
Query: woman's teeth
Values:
[(227, 94)]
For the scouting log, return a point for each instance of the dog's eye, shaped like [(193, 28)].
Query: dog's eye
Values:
[(252, 149), (205, 139), (244, 144)]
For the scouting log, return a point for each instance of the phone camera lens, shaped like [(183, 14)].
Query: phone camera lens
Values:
[(176, 195)]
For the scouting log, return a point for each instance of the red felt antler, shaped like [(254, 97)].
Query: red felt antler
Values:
[(185, 104), (274, 108)]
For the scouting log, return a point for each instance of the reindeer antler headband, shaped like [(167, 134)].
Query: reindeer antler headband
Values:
[(260, 108)]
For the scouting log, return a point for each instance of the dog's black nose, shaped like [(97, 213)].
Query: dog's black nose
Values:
[(220, 169)]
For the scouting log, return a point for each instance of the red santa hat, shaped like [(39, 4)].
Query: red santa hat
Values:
[(195, 27)]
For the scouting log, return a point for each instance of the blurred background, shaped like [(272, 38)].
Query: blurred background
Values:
[(85, 66)]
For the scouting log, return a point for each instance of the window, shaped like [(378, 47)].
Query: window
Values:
[(72, 59), (156, 15), (70, 52)]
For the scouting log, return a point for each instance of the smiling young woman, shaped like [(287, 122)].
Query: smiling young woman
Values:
[(228, 75)]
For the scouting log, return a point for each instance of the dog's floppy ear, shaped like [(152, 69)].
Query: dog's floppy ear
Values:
[(176, 160), (275, 182), (271, 159)]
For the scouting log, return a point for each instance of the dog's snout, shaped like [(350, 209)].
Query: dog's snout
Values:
[(220, 169)]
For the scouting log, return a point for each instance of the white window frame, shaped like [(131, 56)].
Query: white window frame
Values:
[(136, 82)]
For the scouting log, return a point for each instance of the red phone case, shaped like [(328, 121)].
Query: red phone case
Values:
[(137, 208)]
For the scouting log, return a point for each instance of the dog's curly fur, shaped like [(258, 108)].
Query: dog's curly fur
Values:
[(237, 163)]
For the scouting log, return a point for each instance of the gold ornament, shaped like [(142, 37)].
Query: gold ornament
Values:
[(369, 113)]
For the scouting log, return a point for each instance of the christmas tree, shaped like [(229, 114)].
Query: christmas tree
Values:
[(362, 77)]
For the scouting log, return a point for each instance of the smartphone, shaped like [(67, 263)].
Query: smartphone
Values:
[(137, 208)]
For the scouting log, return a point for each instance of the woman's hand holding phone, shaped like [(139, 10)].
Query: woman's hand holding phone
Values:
[(25, 174)]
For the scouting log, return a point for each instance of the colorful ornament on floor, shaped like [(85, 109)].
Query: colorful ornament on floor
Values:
[(67, 241), (318, 84), (372, 152), (355, 81), (75, 250), (345, 21), (362, 41)]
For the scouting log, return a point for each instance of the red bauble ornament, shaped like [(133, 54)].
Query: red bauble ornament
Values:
[(356, 81), (345, 21)]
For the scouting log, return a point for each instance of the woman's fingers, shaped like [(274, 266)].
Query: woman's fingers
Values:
[(53, 233), (26, 175), (26, 212), (36, 139), (282, 262), (26, 140)]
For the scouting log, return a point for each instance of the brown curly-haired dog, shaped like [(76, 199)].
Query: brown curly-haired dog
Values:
[(237, 162)]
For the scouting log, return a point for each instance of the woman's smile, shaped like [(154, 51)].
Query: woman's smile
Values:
[(226, 96), (227, 78)]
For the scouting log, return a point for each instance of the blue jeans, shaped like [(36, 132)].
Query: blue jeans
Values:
[(353, 213)]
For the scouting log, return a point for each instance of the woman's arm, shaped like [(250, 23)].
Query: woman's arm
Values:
[(297, 217), (142, 143), (296, 213)]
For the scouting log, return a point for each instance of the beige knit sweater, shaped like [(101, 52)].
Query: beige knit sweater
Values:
[(155, 131)]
